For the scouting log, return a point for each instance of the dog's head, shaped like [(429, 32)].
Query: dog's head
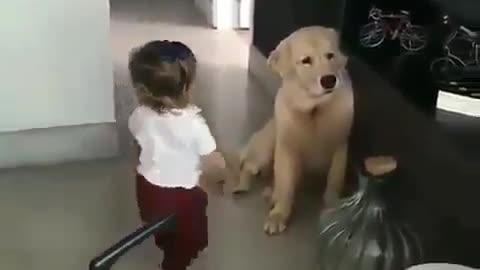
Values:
[(310, 59)]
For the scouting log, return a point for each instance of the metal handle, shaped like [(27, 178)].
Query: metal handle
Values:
[(467, 31), (109, 257)]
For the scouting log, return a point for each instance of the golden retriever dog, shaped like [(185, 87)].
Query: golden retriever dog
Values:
[(312, 119)]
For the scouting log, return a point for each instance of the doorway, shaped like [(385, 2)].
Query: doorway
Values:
[(227, 14)]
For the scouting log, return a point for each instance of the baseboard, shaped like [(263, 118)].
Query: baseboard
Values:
[(257, 66), (58, 145), (458, 104)]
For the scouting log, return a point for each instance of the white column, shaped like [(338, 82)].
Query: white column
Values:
[(226, 14)]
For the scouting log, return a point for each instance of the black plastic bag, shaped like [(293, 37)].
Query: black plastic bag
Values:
[(362, 233)]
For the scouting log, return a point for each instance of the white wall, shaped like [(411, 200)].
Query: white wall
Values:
[(226, 14), (206, 7), (55, 63)]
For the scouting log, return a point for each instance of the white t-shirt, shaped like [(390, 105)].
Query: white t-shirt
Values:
[(171, 145)]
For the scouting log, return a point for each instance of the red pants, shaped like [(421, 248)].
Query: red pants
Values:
[(190, 235)]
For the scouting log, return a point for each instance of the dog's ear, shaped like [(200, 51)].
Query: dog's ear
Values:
[(343, 59), (278, 60), (333, 33), (331, 29), (335, 37)]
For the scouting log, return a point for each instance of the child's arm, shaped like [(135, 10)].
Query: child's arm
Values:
[(134, 125), (206, 147), (136, 153), (211, 160), (213, 173)]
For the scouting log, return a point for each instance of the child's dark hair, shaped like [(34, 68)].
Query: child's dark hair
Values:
[(162, 72)]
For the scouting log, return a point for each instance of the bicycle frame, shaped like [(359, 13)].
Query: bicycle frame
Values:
[(473, 37), (469, 35), (448, 52), (377, 14), (402, 19), (391, 26)]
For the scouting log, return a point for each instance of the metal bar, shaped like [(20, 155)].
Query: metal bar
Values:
[(109, 257)]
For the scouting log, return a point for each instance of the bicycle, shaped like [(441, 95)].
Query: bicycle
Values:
[(461, 51), (382, 25)]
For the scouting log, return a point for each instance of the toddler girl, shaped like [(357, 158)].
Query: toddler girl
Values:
[(175, 146)]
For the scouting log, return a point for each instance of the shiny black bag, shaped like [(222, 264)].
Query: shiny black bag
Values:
[(362, 233)]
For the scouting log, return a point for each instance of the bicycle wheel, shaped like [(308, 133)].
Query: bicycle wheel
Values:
[(441, 67), (371, 35), (413, 38), (463, 48)]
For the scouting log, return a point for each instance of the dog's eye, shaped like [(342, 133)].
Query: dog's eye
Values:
[(329, 56), (307, 60)]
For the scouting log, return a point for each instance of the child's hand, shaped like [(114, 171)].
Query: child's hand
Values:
[(212, 182), (217, 160), (213, 161), (213, 176)]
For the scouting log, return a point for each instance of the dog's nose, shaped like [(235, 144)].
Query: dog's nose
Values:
[(328, 81)]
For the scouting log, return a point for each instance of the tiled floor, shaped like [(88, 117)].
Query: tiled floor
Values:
[(57, 218)]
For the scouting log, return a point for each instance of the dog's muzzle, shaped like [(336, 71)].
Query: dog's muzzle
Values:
[(330, 82)]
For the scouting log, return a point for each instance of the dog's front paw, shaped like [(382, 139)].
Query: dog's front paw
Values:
[(275, 223), (241, 188)]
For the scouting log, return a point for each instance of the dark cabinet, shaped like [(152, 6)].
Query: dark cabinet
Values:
[(272, 21), (275, 19)]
